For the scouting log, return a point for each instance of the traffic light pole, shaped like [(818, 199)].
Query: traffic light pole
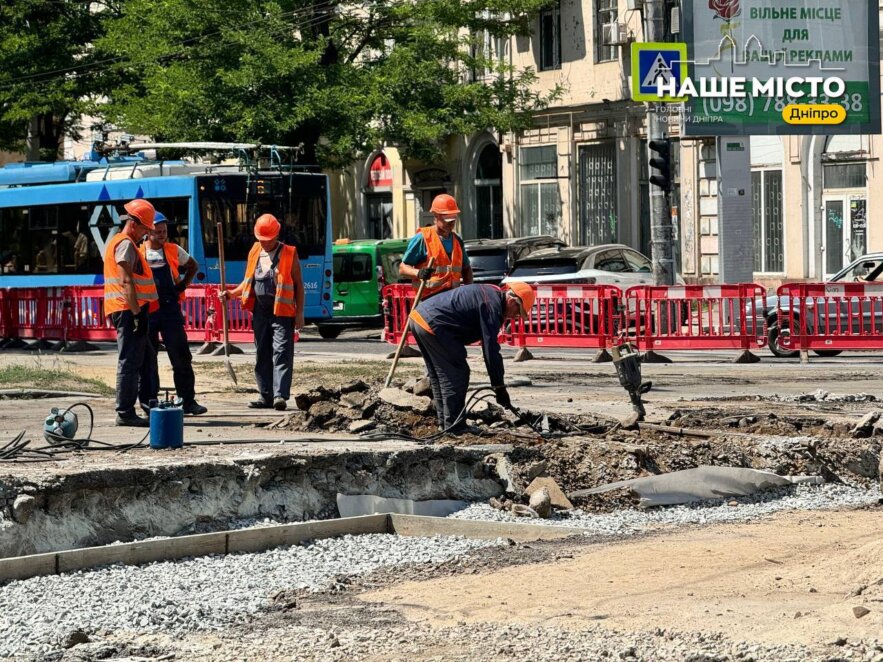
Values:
[(658, 152)]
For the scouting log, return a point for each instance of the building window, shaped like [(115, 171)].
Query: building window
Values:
[(597, 193), (550, 37), (540, 202), (845, 175), (766, 193), (605, 16), (488, 52), (489, 193)]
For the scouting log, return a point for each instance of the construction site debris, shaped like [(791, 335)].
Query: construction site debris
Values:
[(541, 503), (699, 484), (418, 386), (631, 521), (405, 401), (557, 497), (865, 427), (23, 507)]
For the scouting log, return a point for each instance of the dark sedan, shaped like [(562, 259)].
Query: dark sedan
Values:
[(493, 259)]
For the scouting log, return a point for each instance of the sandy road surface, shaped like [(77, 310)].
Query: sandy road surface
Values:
[(748, 581)]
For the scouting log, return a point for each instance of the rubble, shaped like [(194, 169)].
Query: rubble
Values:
[(556, 496), (361, 406), (541, 503), (865, 427), (405, 401)]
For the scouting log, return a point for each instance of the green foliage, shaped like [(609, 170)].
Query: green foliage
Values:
[(46, 68), (339, 77)]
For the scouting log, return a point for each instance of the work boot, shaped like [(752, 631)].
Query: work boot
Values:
[(259, 404), (132, 421), (193, 408), (279, 404)]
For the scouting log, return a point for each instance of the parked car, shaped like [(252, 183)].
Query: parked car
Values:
[(361, 270), (866, 269), (493, 259), (607, 264)]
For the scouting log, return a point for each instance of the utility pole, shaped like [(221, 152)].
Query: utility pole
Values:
[(659, 157)]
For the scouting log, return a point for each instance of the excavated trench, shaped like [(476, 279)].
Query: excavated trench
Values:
[(95, 507), (98, 507)]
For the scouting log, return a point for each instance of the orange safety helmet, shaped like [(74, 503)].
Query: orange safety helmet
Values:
[(267, 227), (444, 205), (527, 295), (142, 211)]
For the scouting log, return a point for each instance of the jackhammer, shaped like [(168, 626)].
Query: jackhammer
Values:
[(627, 361)]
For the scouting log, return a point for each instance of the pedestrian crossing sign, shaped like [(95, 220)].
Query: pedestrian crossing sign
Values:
[(654, 62)]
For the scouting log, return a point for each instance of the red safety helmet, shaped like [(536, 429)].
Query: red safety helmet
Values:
[(267, 227), (445, 205), (142, 211), (526, 294)]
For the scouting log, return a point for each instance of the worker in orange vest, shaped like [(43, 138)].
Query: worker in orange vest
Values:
[(439, 241), (274, 291), (173, 270), (129, 296)]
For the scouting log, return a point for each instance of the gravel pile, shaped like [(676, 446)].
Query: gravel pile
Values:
[(206, 593), (629, 522), (489, 642)]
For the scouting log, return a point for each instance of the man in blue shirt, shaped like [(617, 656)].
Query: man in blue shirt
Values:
[(438, 241), (446, 323)]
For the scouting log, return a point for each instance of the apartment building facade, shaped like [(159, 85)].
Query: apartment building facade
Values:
[(580, 173)]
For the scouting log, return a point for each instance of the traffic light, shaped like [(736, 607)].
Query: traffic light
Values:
[(660, 163)]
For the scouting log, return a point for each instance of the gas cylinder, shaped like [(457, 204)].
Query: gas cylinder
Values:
[(166, 424)]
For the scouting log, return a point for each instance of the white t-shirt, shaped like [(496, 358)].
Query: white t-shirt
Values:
[(158, 257)]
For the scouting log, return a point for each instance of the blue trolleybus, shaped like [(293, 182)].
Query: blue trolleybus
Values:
[(56, 218)]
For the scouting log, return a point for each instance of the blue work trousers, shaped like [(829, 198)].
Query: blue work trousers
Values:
[(448, 370), (274, 349), (168, 322), (135, 354)]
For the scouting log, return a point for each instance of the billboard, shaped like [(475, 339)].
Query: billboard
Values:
[(809, 59)]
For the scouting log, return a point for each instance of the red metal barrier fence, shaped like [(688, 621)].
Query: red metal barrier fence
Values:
[(77, 314), (831, 316), (398, 299), (570, 316), (695, 317)]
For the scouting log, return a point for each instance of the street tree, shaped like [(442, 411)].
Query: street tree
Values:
[(47, 67), (339, 77)]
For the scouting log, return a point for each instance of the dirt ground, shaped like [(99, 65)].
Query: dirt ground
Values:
[(783, 580), (781, 588)]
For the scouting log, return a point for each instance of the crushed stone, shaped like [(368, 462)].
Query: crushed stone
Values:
[(632, 521), (206, 593)]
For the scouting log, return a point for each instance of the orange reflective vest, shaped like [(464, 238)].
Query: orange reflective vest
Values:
[(114, 292), (284, 304), (448, 270), (170, 249)]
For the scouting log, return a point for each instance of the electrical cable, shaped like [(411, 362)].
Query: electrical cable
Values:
[(19, 449)]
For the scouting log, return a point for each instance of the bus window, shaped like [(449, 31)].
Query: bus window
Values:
[(70, 238), (299, 201)]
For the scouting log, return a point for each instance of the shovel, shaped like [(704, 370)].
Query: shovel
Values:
[(226, 335), (404, 338)]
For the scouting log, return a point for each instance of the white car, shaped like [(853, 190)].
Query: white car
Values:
[(607, 264)]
